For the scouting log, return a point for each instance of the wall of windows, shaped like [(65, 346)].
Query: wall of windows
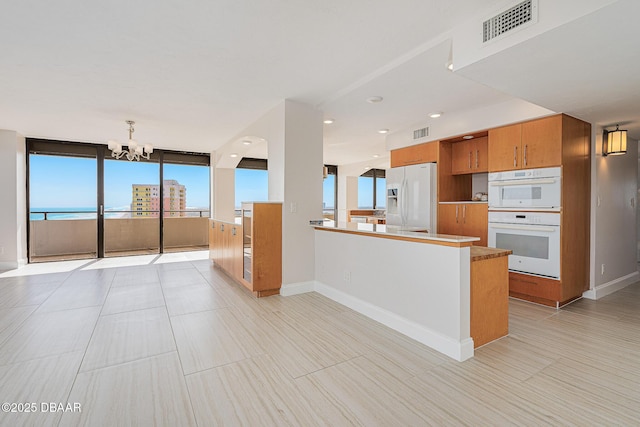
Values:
[(372, 190), (84, 203)]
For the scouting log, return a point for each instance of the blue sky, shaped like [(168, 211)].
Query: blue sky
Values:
[(68, 182), (252, 186)]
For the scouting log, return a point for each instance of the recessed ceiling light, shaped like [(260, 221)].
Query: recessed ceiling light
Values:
[(233, 155), (435, 115), (375, 156), (383, 130), (450, 66), (467, 137), (328, 121), (374, 99), (246, 142)]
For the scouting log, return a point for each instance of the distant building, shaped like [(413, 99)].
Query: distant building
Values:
[(145, 199)]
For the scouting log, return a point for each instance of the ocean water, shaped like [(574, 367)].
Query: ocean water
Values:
[(73, 213)]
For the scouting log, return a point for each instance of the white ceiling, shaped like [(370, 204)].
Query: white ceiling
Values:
[(193, 74)]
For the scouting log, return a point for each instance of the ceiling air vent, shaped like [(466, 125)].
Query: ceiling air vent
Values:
[(518, 15), (420, 133)]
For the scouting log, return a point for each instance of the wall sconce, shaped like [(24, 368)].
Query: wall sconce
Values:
[(614, 142)]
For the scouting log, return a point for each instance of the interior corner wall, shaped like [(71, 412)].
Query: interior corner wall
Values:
[(13, 211), (347, 194), (293, 132), (224, 181), (615, 202), (303, 163)]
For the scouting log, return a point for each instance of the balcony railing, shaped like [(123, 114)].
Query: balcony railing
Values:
[(58, 236)]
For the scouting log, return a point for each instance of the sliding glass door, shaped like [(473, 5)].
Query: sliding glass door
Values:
[(62, 204)]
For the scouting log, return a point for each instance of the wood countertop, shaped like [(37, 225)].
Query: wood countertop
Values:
[(412, 234), (479, 253)]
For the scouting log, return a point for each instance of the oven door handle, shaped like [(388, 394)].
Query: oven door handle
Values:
[(522, 182), (524, 227)]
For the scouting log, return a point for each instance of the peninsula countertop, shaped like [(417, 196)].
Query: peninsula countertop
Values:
[(414, 234)]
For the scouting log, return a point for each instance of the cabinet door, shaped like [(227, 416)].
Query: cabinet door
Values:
[(224, 248), (542, 142), (236, 252), (415, 154), (449, 219), (212, 226), (462, 157), (505, 148), (480, 154), (475, 221)]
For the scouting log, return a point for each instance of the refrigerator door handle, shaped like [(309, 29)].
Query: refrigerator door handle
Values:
[(405, 201)]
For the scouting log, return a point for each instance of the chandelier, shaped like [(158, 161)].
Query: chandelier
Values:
[(134, 150)]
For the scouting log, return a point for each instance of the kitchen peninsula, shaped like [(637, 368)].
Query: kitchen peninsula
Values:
[(422, 285)]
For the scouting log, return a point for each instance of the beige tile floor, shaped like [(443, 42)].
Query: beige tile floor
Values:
[(168, 340)]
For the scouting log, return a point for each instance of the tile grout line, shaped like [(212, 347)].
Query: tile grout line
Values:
[(173, 335), (84, 354)]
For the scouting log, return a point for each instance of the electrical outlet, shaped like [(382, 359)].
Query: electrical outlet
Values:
[(294, 207), (602, 270), (347, 276)]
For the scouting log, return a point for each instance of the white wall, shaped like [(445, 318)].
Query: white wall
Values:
[(293, 132), (224, 189), (419, 289), (614, 231), (13, 210)]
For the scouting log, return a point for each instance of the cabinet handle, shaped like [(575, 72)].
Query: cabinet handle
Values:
[(221, 227), (469, 159), (515, 156), (456, 214), (464, 214), (233, 231), (477, 154), (525, 154)]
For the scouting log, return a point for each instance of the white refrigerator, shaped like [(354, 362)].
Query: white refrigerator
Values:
[(411, 197)]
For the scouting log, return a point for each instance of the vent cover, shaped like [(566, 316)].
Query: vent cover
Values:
[(420, 133), (518, 15)]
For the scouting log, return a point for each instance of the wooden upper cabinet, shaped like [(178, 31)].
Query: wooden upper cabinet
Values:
[(533, 144), (415, 154), (469, 156), (461, 157), (505, 148), (542, 142)]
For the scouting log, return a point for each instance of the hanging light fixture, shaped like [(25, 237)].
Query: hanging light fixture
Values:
[(614, 142), (134, 150)]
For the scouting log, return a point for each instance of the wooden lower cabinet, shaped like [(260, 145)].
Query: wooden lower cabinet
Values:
[(489, 299), (536, 289), (251, 252), (464, 219), (225, 246)]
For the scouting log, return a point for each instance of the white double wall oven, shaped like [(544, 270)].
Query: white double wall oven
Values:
[(524, 217)]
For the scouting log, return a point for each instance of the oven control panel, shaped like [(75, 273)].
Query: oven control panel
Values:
[(538, 218), (554, 172)]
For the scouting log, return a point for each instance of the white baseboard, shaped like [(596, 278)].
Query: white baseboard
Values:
[(297, 288), (611, 287), (459, 351)]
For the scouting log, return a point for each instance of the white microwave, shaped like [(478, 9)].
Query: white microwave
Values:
[(526, 189)]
